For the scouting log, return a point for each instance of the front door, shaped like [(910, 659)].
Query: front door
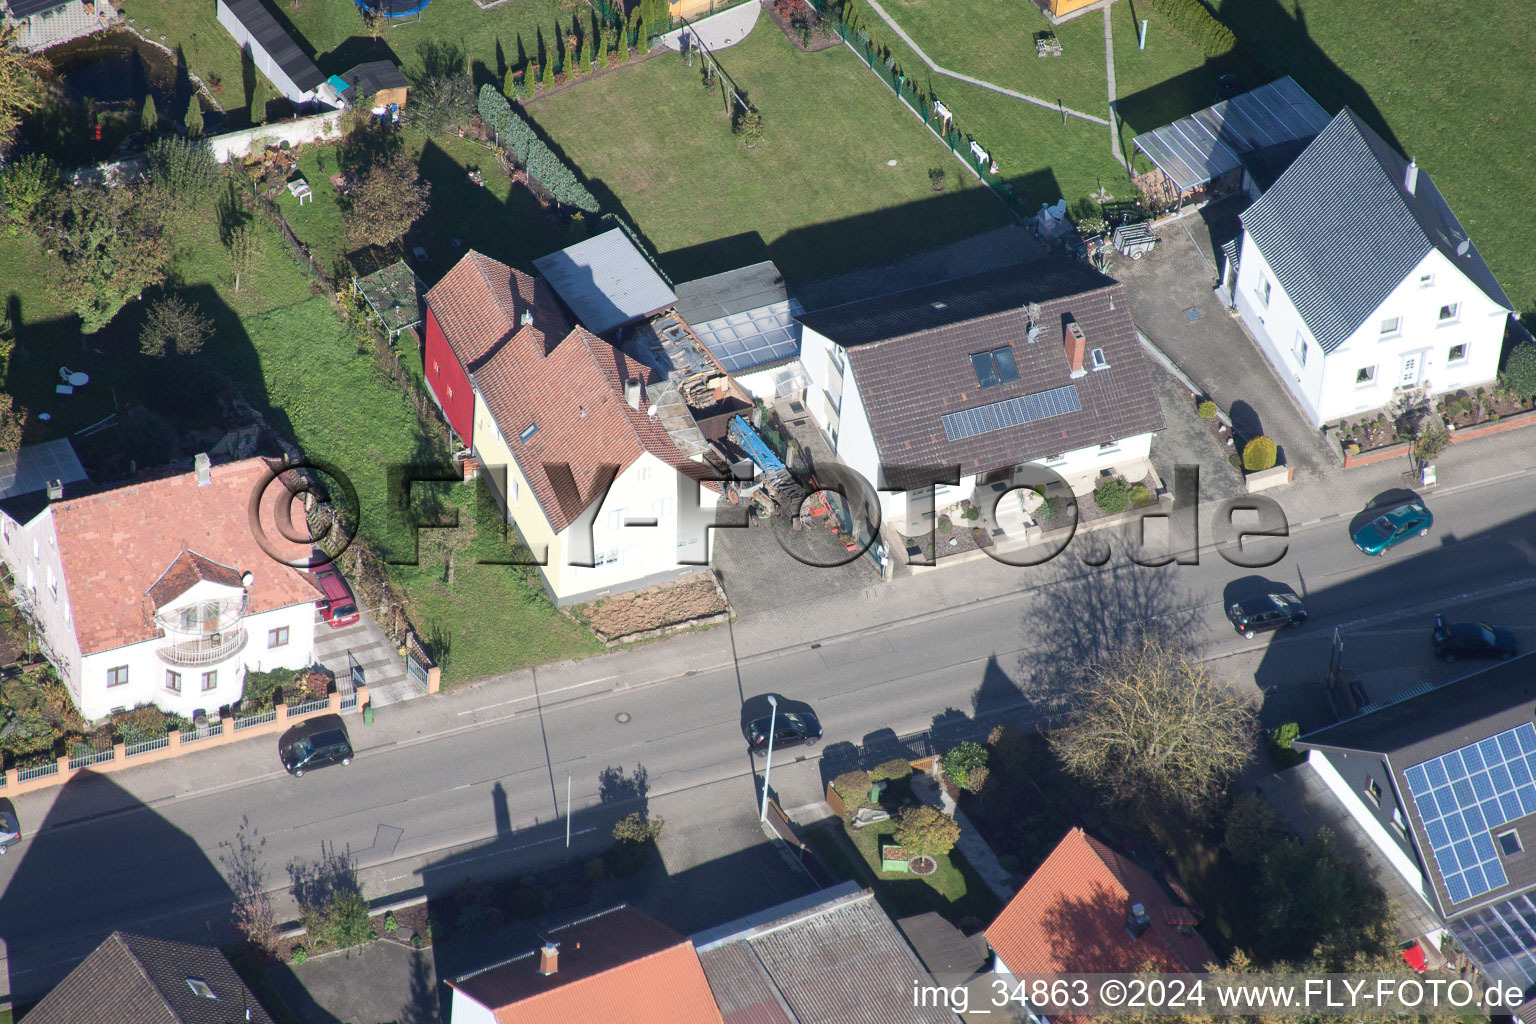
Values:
[(1409, 377)]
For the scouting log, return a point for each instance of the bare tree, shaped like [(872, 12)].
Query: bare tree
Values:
[(1156, 732), (174, 325), (253, 915), (241, 247)]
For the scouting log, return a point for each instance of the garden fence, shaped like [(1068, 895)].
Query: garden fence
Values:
[(135, 749), (28, 774), (205, 733), (310, 707), (348, 702), (260, 719), (86, 760)]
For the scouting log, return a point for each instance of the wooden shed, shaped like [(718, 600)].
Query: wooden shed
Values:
[(375, 84)]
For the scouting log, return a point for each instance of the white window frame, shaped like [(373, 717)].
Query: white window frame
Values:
[(1442, 320), (1394, 331), (1426, 280), (1263, 290), (616, 520), (1398, 821), (1453, 359), (1096, 357), (1373, 790), (515, 491), (1369, 379), (1300, 351)]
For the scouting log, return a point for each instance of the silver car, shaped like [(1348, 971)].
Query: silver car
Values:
[(10, 827)]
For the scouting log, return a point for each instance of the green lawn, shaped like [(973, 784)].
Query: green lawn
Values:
[(816, 195), (1436, 82)]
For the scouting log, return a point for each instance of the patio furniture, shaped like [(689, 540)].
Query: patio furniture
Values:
[(65, 389), (300, 190)]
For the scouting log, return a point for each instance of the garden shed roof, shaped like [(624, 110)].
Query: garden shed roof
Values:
[(278, 44), (606, 281)]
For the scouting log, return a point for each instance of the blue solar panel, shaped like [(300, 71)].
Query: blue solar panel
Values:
[(1011, 412), (1462, 795)]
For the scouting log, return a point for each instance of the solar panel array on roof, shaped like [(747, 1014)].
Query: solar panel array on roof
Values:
[(756, 337), (1011, 412), (1207, 144), (1462, 796)]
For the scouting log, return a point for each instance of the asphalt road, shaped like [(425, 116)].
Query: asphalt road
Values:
[(482, 773)]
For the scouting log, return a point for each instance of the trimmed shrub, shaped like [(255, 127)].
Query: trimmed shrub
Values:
[(965, 764), (1206, 409), (896, 768), (1280, 745), (925, 830), (1259, 454), (298, 955), (946, 524), (1519, 374), (1112, 496), (391, 925), (1141, 495), (853, 787), (1194, 21), (637, 828), (519, 139)]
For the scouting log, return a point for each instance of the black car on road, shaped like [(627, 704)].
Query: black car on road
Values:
[(791, 728), (1473, 640), (314, 744), (1265, 613)]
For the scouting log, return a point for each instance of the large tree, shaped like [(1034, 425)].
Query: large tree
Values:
[(113, 245), (390, 198), (1156, 732), (21, 89), (175, 326)]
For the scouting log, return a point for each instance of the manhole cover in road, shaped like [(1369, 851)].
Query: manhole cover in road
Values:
[(622, 718), (1193, 314)]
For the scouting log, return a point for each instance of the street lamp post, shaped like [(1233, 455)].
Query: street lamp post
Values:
[(768, 765)]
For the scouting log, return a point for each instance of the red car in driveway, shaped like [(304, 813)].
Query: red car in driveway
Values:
[(338, 607)]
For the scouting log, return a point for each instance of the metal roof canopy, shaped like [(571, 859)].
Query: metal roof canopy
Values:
[(606, 281), (743, 341), (1208, 144)]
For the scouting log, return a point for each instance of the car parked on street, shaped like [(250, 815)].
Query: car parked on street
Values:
[(1266, 613), (1473, 640), (10, 825), (1390, 529), (314, 744), (790, 729), (338, 607)]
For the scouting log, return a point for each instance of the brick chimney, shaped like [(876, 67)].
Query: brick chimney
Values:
[(1136, 921), (549, 958), (1077, 345)]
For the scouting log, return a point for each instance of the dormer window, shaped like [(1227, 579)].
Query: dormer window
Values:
[(995, 367)]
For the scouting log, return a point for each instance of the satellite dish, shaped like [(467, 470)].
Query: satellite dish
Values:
[(247, 578)]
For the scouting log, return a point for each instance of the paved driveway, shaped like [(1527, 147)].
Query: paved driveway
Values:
[(1214, 349)]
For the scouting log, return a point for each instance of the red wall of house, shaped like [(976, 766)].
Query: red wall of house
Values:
[(449, 382)]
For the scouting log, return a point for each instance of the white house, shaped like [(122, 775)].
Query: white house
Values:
[(158, 591), (1031, 363), (1357, 280)]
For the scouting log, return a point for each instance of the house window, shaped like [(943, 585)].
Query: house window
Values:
[(606, 558), (1398, 821), (210, 680), (277, 637), (1373, 790), (995, 367), (435, 367), (1457, 354), (1055, 460), (645, 473), (1109, 446), (1301, 349), (616, 519), (53, 583), (37, 549), (1448, 312), (1365, 375), (528, 432), (1391, 326), (515, 491), (1097, 360), (173, 681), (450, 393), (1425, 280), (1264, 290), (661, 508), (1509, 842), (117, 676)]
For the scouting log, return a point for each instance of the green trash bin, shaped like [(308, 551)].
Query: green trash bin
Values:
[(368, 715)]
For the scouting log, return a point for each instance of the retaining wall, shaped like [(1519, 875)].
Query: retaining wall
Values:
[(236, 145)]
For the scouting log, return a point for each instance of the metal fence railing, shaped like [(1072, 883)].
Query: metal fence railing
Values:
[(349, 702), (310, 707), (250, 720), (216, 729), (86, 760), (135, 749), (40, 771)]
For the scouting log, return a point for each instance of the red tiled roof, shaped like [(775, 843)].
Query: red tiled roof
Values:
[(575, 396), (117, 546), (616, 966), (1070, 917), (480, 304)]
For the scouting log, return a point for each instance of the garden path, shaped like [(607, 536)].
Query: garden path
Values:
[(874, 6), (975, 849), (718, 31), (1109, 78)]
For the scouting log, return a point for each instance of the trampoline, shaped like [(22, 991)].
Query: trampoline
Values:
[(392, 8)]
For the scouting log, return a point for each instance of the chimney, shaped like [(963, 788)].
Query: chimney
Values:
[(1077, 344), (632, 393), (204, 469), (549, 958), (55, 490), (1136, 921), (1411, 178)]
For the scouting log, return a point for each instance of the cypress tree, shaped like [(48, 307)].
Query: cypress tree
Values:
[(151, 119), (194, 118), (586, 56), (602, 48), (548, 79)]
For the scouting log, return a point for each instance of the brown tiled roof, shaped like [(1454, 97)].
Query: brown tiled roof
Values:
[(132, 979), (116, 545), (616, 966), (911, 352), (575, 395), (1070, 917), (188, 569), (480, 303)]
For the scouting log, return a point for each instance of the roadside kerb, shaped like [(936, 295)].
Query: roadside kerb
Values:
[(16, 781)]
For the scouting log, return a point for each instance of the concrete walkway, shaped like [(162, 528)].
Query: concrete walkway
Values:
[(1109, 77), (978, 854), (718, 31), (1037, 101)]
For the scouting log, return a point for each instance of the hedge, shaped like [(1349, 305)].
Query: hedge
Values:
[(519, 139), (1192, 20)]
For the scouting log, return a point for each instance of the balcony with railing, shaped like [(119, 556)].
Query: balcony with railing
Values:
[(203, 632), (205, 650)]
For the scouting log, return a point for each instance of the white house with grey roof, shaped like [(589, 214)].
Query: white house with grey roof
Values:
[(1358, 281)]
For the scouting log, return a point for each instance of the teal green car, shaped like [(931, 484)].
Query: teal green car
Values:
[(1390, 529)]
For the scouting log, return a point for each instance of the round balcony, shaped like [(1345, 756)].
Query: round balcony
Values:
[(205, 650)]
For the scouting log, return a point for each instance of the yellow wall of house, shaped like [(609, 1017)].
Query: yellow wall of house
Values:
[(523, 508)]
